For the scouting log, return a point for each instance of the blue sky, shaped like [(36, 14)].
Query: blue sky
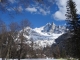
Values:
[(39, 16), (37, 20)]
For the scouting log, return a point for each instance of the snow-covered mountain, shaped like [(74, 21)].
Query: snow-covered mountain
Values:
[(52, 28), (45, 35)]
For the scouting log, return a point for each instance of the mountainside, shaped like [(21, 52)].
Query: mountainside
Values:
[(45, 35), (61, 40)]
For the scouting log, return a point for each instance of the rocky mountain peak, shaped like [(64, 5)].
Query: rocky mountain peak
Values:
[(45, 35), (52, 28)]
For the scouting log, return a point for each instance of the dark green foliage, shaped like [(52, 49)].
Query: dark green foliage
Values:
[(73, 23), (56, 51)]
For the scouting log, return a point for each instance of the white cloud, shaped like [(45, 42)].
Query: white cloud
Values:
[(37, 10), (60, 14), (44, 12), (78, 5), (12, 1), (33, 9), (51, 1), (20, 9)]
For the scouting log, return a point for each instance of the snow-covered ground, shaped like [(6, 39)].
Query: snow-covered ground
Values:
[(35, 59)]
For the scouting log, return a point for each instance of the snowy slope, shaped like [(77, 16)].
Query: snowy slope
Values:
[(45, 35)]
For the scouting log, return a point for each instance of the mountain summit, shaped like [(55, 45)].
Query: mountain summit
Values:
[(52, 28), (45, 35)]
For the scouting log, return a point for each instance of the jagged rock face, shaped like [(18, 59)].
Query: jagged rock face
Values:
[(49, 28), (45, 35), (52, 28)]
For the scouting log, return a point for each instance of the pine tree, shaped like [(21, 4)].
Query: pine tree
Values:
[(73, 23)]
